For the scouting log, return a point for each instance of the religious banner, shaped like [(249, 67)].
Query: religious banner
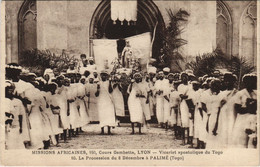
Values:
[(105, 51), (124, 10), (141, 47)]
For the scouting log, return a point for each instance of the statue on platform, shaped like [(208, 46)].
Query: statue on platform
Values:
[(127, 55)]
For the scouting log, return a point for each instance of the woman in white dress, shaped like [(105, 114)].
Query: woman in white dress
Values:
[(84, 117), (73, 108), (134, 102), (168, 88), (118, 97), (54, 102), (213, 103), (36, 118), (106, 108), (183, 90), (159, 98), (194, 96), (151, 82), (227, 114), (246, 108), (16, 123), (91, 99), (62, 102)]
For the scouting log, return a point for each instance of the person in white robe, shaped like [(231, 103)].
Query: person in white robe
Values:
[(144, 88), (16, 133), (194, 96), (91, 99), (246, 108), (213, 103), (183, 90), (106, 108), (83, 68), (134, 102), (174, 110), (152, 100), (198, 116), (91, 67), (118, 97), (159, 98), (227, 115), (36, 119), (203, 113), (13, 72), (71, 69), (168, 88), (84, 116), (54, 102)]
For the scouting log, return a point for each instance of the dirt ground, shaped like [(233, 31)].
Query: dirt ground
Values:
[(153, 138)]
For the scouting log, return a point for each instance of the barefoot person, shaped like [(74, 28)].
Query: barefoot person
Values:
[(106, 108), (134, 102)]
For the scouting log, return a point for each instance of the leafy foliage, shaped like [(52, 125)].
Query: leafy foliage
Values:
[(206, 63), (37, 61), (209, 62), (240, 67), (172, 40)]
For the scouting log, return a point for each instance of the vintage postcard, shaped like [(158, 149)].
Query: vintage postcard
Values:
[(132, 83)]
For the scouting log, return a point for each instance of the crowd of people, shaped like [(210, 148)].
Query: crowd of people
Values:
[(203, 112)]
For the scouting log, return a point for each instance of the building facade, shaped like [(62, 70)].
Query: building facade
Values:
[(71, 25)]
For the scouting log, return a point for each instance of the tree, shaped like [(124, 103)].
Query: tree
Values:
[(207, 63), (173, 41)]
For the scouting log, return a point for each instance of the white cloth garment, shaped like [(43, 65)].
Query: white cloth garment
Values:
[(135, 105), (159, 101), (106, 108), (118, 102)]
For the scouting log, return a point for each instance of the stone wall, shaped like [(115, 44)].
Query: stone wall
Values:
[(11, 28), (65, 25)]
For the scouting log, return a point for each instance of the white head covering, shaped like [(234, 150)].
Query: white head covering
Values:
[(166, 69), (152, 69)]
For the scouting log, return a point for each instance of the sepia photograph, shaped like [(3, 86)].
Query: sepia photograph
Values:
[(133, 74)]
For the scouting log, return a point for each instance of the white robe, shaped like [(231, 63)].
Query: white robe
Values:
[(184, 110), (92, 102), (159, 101), (81, 92), (145, 106), (194, 96), (152, 99), (15, 139), (55, 118), (118, 102), (198, 119), (227, 118), (174, 104), (202, 125), (106, 108), (213, 104), (74, 113), (135, 105), (62, 103), (243, 121), (166, 104), (36, 119)]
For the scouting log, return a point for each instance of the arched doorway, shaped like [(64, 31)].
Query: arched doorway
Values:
[(148, 16)]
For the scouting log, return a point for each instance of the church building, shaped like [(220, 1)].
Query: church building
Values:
[(74, 25)]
